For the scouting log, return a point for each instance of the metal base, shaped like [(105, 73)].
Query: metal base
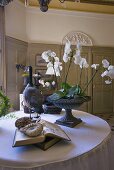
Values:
[(68, 123), (68, 120)]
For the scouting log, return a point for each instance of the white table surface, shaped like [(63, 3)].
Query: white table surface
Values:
[(85, 137)]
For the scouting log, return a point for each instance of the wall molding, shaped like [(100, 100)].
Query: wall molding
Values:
[(94, 15), (78, 37), (16, 41)]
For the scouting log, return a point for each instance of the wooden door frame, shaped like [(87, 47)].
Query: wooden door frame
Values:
[(2, 34)]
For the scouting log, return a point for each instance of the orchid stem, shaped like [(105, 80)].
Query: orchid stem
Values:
[(80, 77), (55, 75), (90, 80), (68, 69)]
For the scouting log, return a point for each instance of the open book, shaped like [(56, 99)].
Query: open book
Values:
[(50, 130)]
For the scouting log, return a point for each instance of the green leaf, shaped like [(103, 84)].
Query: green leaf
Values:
[(61, 93), (53, 97), (75, 90), (65, 86), (4, 104), (78, 90)]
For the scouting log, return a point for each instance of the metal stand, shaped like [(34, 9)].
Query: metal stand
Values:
[(68, 120)]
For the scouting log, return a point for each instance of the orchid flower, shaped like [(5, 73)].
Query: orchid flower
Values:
[(108, 81), (48, 55), (52, 54), (105, 63), (57, 67), (50, 70), (53, 83), (105, 73), (83, 63), (77, 56), (56, 59), (111, 67), (42, 82), (54, 67), (77, 59), (45, 56), (67, 51), (35, 75), (67, 47), (78, 52), (47, 84), (94, 66), (65, 57), (111, 71), (79, 46)]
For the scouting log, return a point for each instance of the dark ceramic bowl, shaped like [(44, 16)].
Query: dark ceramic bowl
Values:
[(51, 109), (73, 103)]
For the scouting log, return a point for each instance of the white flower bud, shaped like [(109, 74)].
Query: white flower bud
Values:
[(94, 66)]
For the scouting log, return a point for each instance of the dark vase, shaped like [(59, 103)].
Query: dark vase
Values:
[(68, 104)]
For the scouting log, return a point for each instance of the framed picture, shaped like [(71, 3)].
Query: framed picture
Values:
[(42, 72), (39, 61)]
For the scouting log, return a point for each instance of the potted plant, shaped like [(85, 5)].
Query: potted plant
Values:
[(4, 104), (71, 97), (48, 87)]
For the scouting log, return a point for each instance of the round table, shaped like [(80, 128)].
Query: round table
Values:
[(87, 146)]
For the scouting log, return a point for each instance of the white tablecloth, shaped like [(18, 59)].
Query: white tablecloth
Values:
[(89, 148)]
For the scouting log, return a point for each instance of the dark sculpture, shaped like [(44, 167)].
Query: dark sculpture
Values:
[(4, 2), (33, 98)]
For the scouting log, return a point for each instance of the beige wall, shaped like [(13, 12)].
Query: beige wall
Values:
[(30, 24), (15, 20), (34, 26), (54, 25)]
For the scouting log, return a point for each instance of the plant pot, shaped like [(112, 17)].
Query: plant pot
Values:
[(68, 104)]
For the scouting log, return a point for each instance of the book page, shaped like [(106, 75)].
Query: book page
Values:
[(51, 129)]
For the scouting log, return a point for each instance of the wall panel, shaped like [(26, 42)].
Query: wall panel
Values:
[(16, 53)]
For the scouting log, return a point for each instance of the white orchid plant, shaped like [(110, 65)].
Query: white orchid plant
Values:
[(43, 83), (48, 84), (54, 67)]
